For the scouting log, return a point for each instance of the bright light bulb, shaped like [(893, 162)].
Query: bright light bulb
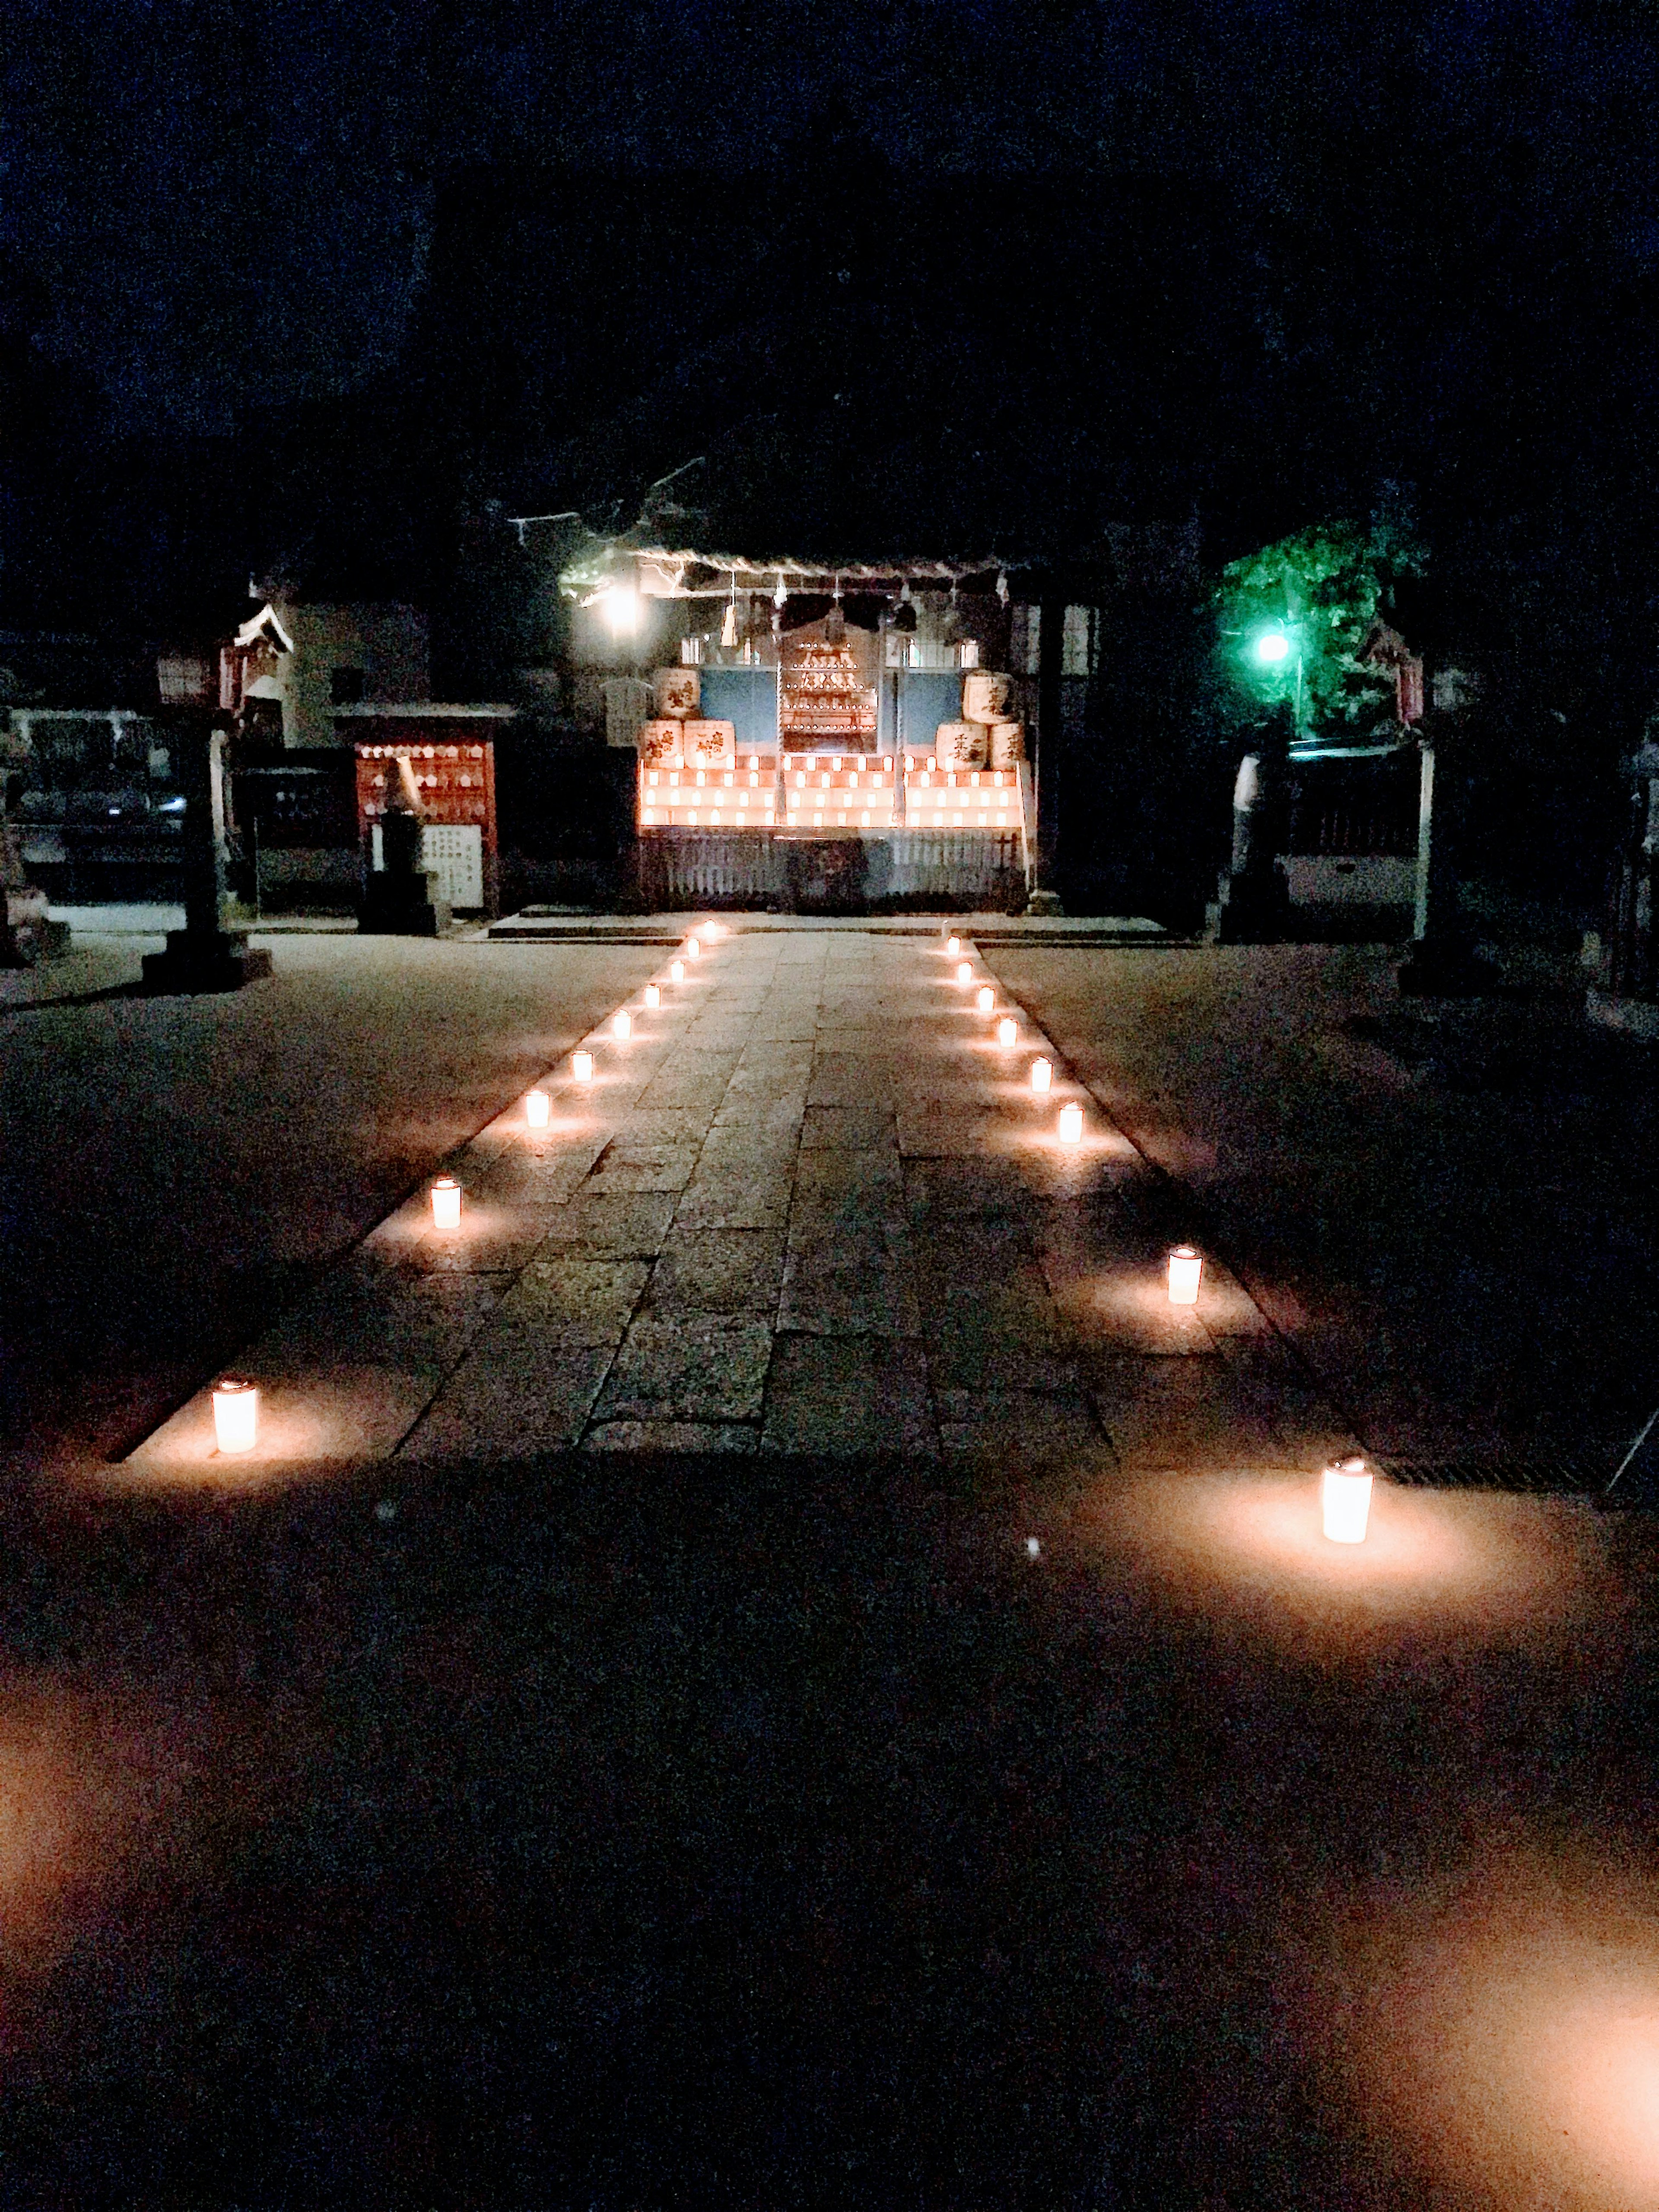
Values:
[(1186, 1274), (446, 1203), (235, 1414), (621, 610), (1271, 647), (537, 1108), (581, 1066), (1345, 1501), (622, 1025), (1007, 1031), (1071, 1123), (987, 998), (653, 995), (1042, 1074)]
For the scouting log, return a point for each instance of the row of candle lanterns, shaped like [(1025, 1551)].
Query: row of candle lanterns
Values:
[(1344, 1487), (236, 1400)]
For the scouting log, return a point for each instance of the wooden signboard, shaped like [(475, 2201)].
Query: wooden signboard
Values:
[(827, 690)]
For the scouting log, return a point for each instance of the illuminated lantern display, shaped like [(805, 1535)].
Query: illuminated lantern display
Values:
[(677, 971), (1345, 1501), (953, 945), (987, 998), (693, 950), (653, 995), (1071, 1124), (581, 1066), (1186, 1273), (964, 971), (1042, 1074), (537, 1107), (622, 1025), (446, 1203), (1007, 1031), (235, 1414)]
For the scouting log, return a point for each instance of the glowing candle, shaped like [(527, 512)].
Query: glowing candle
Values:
[(581, 1066), (1186, 1273), (1071, 1124), (964, 971), (536, 1110), (1042, 1074), (235, 1414), (1345, 1501), (677, 971), (622, 1025), (446, 1203), (987, 998), (1007, 1031), (693, 950), (653, 995), (953, 945)]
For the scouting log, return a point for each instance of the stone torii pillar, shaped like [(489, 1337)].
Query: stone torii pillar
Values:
[(203, 956)]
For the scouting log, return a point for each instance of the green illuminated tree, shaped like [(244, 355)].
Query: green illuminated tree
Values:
[(1293, 617)]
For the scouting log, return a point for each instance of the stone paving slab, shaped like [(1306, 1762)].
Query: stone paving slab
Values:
[(809, 1207)]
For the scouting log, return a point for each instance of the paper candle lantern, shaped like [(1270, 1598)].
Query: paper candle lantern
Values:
[(622, 1025), (1071, 1124), (1345, 1500), (693, 950), (235, 1414), (953, 945), (581, 1066), (987, 998), (964, 971), (1007, 1031), (536, 1110), (677, 971), (653, 995), (1186, 1273), (446, 1203), (1042, 1074)]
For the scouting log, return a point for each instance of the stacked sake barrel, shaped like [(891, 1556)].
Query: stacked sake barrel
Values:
[(986, 737), (676, 737)]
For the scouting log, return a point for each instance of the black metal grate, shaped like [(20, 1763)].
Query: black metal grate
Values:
[(1535, 1471)]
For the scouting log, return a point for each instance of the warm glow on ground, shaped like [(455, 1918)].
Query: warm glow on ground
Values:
[(1438, 1565), (1505, 2043)]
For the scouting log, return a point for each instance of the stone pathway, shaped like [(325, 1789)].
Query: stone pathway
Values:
[(811, 1204)]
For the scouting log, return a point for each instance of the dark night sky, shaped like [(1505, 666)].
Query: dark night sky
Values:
[(229, 202)]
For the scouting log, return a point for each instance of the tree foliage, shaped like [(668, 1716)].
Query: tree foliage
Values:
[(1323, 590)]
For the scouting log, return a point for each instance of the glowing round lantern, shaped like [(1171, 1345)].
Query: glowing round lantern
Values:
[(677, 971), (1345, 1501), (987, 999), (1071, 1123), (235, 1414), (952, 946), (581, 1066), (653, 995), (1007, 1031), (1186, 1273), (446, 1203), (1042, 1074), (622, 1025), (537, 1108), (964, 971)]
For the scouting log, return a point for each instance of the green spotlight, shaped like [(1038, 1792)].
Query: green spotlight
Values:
[(1271, 647)]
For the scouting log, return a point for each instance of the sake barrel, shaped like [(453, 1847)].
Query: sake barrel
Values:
[(662, 743), (1007, 744), (985, 696), (960, 744), (710, 744), (678, 691)]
